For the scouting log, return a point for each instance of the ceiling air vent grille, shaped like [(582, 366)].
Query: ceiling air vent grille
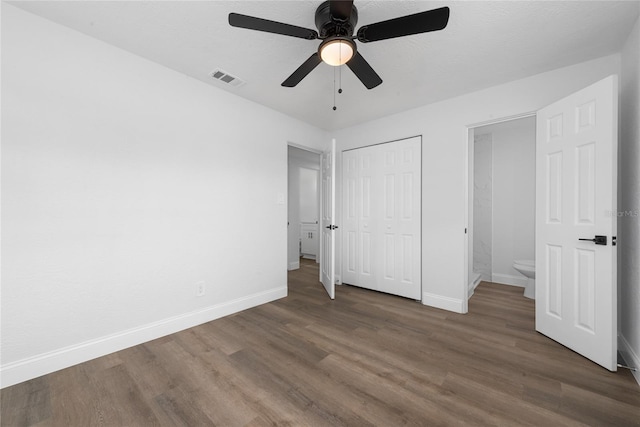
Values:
[(226, 78)]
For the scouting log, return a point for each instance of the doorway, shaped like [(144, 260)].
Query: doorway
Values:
[(303, 209), (575, 234), (501, 201)]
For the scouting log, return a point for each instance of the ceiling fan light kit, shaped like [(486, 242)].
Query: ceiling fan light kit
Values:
[(337, 50), (336, 21)]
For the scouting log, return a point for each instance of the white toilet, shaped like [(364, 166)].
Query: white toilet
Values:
[(528, 268)]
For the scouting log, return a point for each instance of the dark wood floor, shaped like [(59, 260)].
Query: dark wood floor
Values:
[(364, 359)]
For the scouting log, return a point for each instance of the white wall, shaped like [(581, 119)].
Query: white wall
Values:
[(629, 203), (443, 127), (123, 184), (309, 195)]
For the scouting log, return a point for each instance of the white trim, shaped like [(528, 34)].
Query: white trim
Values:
[(32, 367), (474, 284), (502, 120), (445, 303), (630, 357), (468, 216), (294, 265), (304, 147), (508, 279)]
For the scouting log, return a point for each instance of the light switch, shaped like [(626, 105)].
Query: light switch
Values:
[(280, 199)]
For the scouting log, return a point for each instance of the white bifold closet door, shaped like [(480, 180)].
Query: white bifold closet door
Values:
[(382, 217)]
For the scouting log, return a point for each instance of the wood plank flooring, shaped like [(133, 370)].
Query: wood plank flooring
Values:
[(364, 359)]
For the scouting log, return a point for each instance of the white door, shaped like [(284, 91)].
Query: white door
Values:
[(381, 217), (400, 223), (327, 241), (576, 158), (359, 225)]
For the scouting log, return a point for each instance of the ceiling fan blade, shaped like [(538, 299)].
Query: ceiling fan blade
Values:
[(431, 20), (302, 71), (341, 9), (259, 24), (363, 71)]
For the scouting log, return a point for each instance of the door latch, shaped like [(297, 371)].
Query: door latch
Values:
[(598, 240)]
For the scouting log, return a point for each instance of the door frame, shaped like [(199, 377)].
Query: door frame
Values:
[(468, 200), (327, 219)]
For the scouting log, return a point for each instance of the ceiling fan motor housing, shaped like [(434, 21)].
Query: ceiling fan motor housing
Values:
[(329, 26)]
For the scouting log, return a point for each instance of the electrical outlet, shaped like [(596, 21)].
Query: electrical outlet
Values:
[(200, 288)]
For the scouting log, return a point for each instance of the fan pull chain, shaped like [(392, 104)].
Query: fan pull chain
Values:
[(339, 81), (334, 89), (334, 85)]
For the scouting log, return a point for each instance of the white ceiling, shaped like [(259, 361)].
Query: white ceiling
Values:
[(485, 43)]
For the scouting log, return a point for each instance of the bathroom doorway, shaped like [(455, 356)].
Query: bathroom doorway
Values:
[(501, 200), (303, 210)]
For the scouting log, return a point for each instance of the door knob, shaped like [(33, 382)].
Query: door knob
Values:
[(598, 240)]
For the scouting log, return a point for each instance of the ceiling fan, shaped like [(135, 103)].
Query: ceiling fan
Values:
[(336, 21)]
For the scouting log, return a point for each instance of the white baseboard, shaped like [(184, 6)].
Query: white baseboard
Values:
[(630, 357), (294, 265), (474, 284), (445, 303), (507, 279), (33, 367)]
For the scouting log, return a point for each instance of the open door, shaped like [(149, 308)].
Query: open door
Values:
[(328, 209), (576, 172)]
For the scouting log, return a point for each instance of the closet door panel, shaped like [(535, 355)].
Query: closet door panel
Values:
[(402, 162), (367, 254), (350, 215), (389, 255), (382, 187)]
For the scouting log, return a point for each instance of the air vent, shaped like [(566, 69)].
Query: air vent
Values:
[(226, 78)]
